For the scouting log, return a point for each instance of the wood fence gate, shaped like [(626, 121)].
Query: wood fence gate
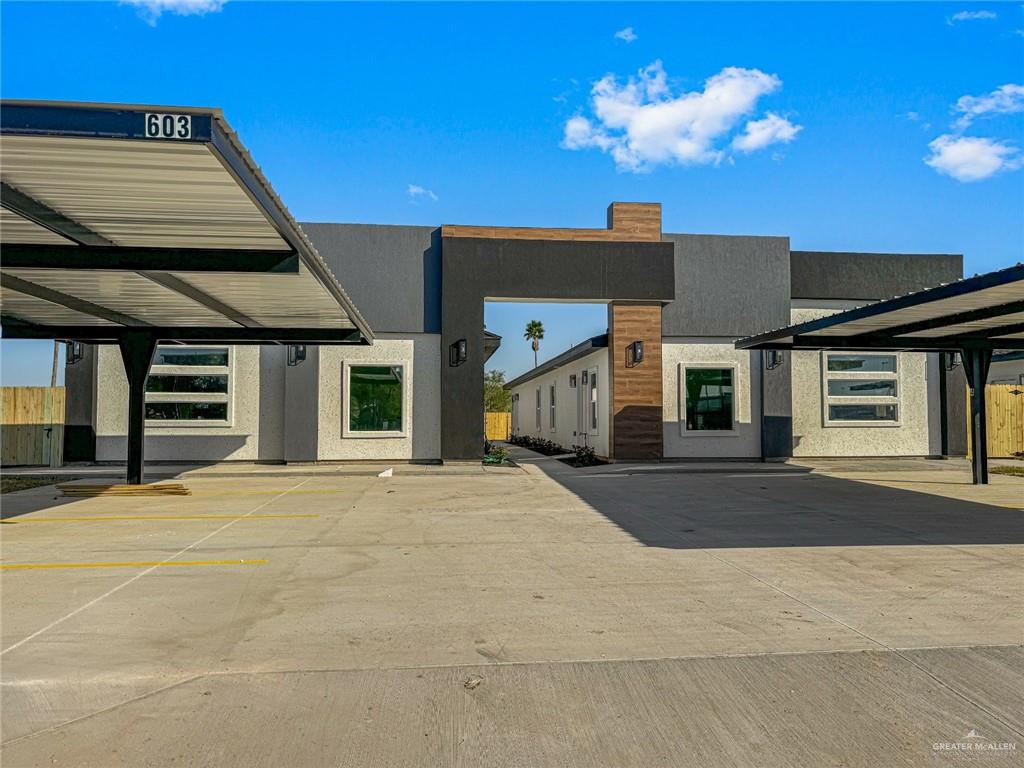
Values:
[(32, 431), (1004, 406), (497, 425)]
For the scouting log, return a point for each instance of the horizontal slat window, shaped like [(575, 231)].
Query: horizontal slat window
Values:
[(860, 390), (189, 385)]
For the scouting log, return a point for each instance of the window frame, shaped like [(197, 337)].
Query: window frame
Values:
[(593, 403), (160, 369), (552, 397), (826, 399), (346, 402), (723, 365)]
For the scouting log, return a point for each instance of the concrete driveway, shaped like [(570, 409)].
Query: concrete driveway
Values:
[(736, 615)]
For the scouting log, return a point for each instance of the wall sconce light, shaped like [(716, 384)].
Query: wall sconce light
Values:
[(584, 377), (296, 354), (73, 352), (458, 353), (952, 360), (773, 358), (572, 381), (635, 353)]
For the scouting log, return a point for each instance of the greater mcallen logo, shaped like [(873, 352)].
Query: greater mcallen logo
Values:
[(975, 742)]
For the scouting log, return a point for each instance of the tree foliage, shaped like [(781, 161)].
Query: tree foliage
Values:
[(497, 399)]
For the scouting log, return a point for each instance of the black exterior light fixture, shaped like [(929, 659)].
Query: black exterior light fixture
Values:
[(635, 354), (458, 353), (572, 381), (73, 352), (296, 354), (584, 377), (773, 358)]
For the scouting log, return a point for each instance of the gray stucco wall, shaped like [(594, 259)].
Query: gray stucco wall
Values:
[(238, 440), (728, 286), (868, 276), (392, 273)]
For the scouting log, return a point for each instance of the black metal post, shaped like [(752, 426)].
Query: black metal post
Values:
[(943, 406), (976, 364), (137, 350)]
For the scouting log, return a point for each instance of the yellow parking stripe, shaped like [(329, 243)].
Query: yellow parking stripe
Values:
[(145, 564), (151, 517)]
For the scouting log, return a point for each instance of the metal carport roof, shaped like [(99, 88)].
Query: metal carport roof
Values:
[(135, 224), (982, 311), (974, 317), (111, 222)]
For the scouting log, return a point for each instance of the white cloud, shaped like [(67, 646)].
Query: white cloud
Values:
[(967, 158), (151, 10), (759, 134), (970, 16), (626, 34), (416, 192), (642, 124), (1004, 100)]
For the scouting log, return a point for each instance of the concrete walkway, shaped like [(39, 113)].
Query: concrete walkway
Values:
[(546, 616)]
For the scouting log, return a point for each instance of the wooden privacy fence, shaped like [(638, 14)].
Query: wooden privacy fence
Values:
[(497, 425), (32, 431), (1004, 406)]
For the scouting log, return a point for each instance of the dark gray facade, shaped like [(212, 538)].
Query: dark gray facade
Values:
[(868, 276), (392, 273), (728, 286)]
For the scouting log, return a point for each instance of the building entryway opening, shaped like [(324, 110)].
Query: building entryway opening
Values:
[(548, 371)]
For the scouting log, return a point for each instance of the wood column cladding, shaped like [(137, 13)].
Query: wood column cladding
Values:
[(636, 401), (627, 222)]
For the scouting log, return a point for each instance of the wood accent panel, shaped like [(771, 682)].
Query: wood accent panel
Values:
[(627, 222), (635, 400)]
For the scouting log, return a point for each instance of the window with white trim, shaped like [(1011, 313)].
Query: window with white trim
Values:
[(707, 398), (860, 389), (551, 390), (374, 402), (189, 385), (538, 408)]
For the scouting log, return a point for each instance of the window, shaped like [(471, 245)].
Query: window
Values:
[(860, 389), (515, 414), (375, 402), (592, 405), (538, 408), (708, 399), (551, 390), (189, 384)]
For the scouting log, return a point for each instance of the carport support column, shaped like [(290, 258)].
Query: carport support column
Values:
[(137, 350), (976, 364)]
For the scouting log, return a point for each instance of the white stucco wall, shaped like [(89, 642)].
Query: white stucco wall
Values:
[(237, 440), (565, 403), (421, 356), (917, 385), (745, 439)]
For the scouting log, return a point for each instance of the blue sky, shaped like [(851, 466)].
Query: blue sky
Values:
[(812, 121)]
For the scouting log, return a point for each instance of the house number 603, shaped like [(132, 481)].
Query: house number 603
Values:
[(168, 126)]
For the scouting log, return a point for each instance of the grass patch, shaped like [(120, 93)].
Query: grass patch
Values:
[(12, 483), (1005, 470)]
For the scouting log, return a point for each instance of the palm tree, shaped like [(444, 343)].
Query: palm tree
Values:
[(534, 333)]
